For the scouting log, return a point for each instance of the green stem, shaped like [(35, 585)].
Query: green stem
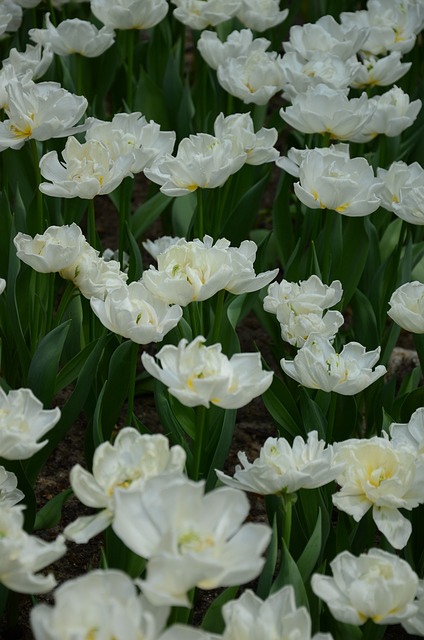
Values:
[(199, 215), (124, 214), (330, 417), (91, 224), (80, 81), (131, 384), (198, 443), (39, 222), (130, 66), (287, 501), (219, 309)]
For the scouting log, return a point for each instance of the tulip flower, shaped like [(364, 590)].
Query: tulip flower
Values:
[(259, 147), (283, 469), (130, 14), (35, 59), (261, 15), (380, 72), (2, 285), (330, 179), (102, 602), (22, 555), (128, 464), (133, 312), (199, 14), (407, 307), (10, 16), (189, 538), (402, 191), (318, 366), (23, 421), (410, 434), (377, 586), (74, 36), (198, 375), (9, 493), (40, 112), (238, 43), (379, 476), (250, 618), (56, 249)]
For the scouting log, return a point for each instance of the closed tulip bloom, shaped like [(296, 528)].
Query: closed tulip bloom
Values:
[(330, 179), (392, 113), (74, 36), (133, 312), (239, 43), (128, 464), (40, 112), (130, 14), (22, 555), (253, 78), (379, 476), (259, 147), (318, 366), (9, 493), (325, 36), (377, 586), (202, 161), (250, 618), (199, 14), (131, 134), (87, 170), (407, 306), (199, 375), (282, 468), (402, 191), (328, 111), (102, 603), (261, 15), (56, 249), (380, 72), (189, 538), (23, 421)]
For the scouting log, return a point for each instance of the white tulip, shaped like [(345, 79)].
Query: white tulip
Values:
[(379, 476), (410, 434), (402, 191), (325, 36), (307, 296), (261, 15), (102, 604), (128, 464), (239, 43), (253, 78), (130, 14), (155, 247), (415, 624), (131, 134), (250, 618), (259, 147), (23, 421), (282, 469), (375, 586), (392, 113), (87, 170), (189, 538), (199, 14), (199, 375), (407, 306), (74, 36), (22, 555), (318, 366), (9, 493), (202, 161), (380, 72), (35, 59), (330, 179), (133, 312), (324, 110), (10, 16), (40, 112), (2, 285), (56, 249)]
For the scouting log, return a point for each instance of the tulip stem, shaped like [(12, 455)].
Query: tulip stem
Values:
[(130, 67), (199, 214), (39, 228), (80, 87), (330, 416), (198, 443), (219, 309), (91, 224), (124, 215), (131, 383), (287, 501)]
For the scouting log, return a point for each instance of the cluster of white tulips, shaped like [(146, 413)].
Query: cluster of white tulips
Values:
[(197, 115)]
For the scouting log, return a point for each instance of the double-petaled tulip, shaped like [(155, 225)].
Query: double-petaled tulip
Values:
[(402, 191), (239, 43), (407, 306), (199, 14), (130, 14), (261, 15)]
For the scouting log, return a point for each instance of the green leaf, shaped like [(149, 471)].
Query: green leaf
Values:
[(42, 372), (311, 553), (280, 404), (312, 415), (221, 449), (213, 620), (50, 515), (290, 574), (265, 579), (147, 213)]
